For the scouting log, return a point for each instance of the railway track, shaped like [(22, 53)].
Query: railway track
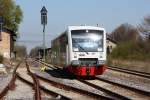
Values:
[(53, 94), (144, 92), (11, 83), (142, 74), (119, 91), (37, 88), (78, 91), (110, 92), (36, 83), (73, 89)]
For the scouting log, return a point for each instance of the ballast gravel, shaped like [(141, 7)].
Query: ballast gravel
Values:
[(4, 81), (127, 79)]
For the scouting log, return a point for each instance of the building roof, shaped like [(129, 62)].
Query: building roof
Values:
[(111, 39), (10, 32)]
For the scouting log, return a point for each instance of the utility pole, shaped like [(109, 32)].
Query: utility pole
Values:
[(43, 22)]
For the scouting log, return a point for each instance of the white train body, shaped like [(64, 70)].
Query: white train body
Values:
[(81, 48)]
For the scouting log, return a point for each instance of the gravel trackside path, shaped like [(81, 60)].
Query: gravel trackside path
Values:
[(21, 92), (4, 80)]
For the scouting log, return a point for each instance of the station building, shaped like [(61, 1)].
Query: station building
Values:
[(111, 44), (7, 38)]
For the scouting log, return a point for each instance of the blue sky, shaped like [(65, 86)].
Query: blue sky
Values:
[(61, 13)]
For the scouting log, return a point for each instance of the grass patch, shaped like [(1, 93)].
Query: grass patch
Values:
[(131, 50), (133, 55), (142, 66)]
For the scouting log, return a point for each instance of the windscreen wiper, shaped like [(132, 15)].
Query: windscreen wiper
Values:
[(80, 47)]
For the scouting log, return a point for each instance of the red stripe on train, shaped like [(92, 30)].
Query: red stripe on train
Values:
[(87, 71)]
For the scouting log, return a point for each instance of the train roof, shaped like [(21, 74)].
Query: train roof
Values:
[(79, 27), (85, 27)]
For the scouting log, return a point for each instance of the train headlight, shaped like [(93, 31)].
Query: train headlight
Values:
[(101, 62), (75, 55), (75, 63), (75, 49)]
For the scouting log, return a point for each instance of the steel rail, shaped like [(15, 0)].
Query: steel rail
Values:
[(54, 94), (95, 86), (39, 61), (142, 74), (36, 83), (131, 70), (77, 90), (119, 96), (144, 92), (11, 83)]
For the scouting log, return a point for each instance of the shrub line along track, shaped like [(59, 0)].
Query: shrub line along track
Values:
[(142, 74), (106, 90)]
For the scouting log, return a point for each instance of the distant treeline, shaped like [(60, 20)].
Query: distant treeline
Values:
[(133, 43)]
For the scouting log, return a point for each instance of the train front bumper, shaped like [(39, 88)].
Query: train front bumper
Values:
[(87, 71)]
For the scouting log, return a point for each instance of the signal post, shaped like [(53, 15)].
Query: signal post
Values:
[(44, 23)]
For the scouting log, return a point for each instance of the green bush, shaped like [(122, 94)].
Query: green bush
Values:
[(131, 50), (1, 58)]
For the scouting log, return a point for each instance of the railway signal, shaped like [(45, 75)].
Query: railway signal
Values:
[(43, 16), (43, 22)]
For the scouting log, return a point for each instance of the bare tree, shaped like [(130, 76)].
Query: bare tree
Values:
[(144, 28), (21, 51), (35, 51), (125, 32)]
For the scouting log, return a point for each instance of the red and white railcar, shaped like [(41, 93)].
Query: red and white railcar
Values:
[(81, 50)]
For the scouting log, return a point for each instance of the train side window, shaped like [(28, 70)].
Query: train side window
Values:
[(66, 40)]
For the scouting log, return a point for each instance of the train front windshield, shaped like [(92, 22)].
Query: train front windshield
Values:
[(87, 40)]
